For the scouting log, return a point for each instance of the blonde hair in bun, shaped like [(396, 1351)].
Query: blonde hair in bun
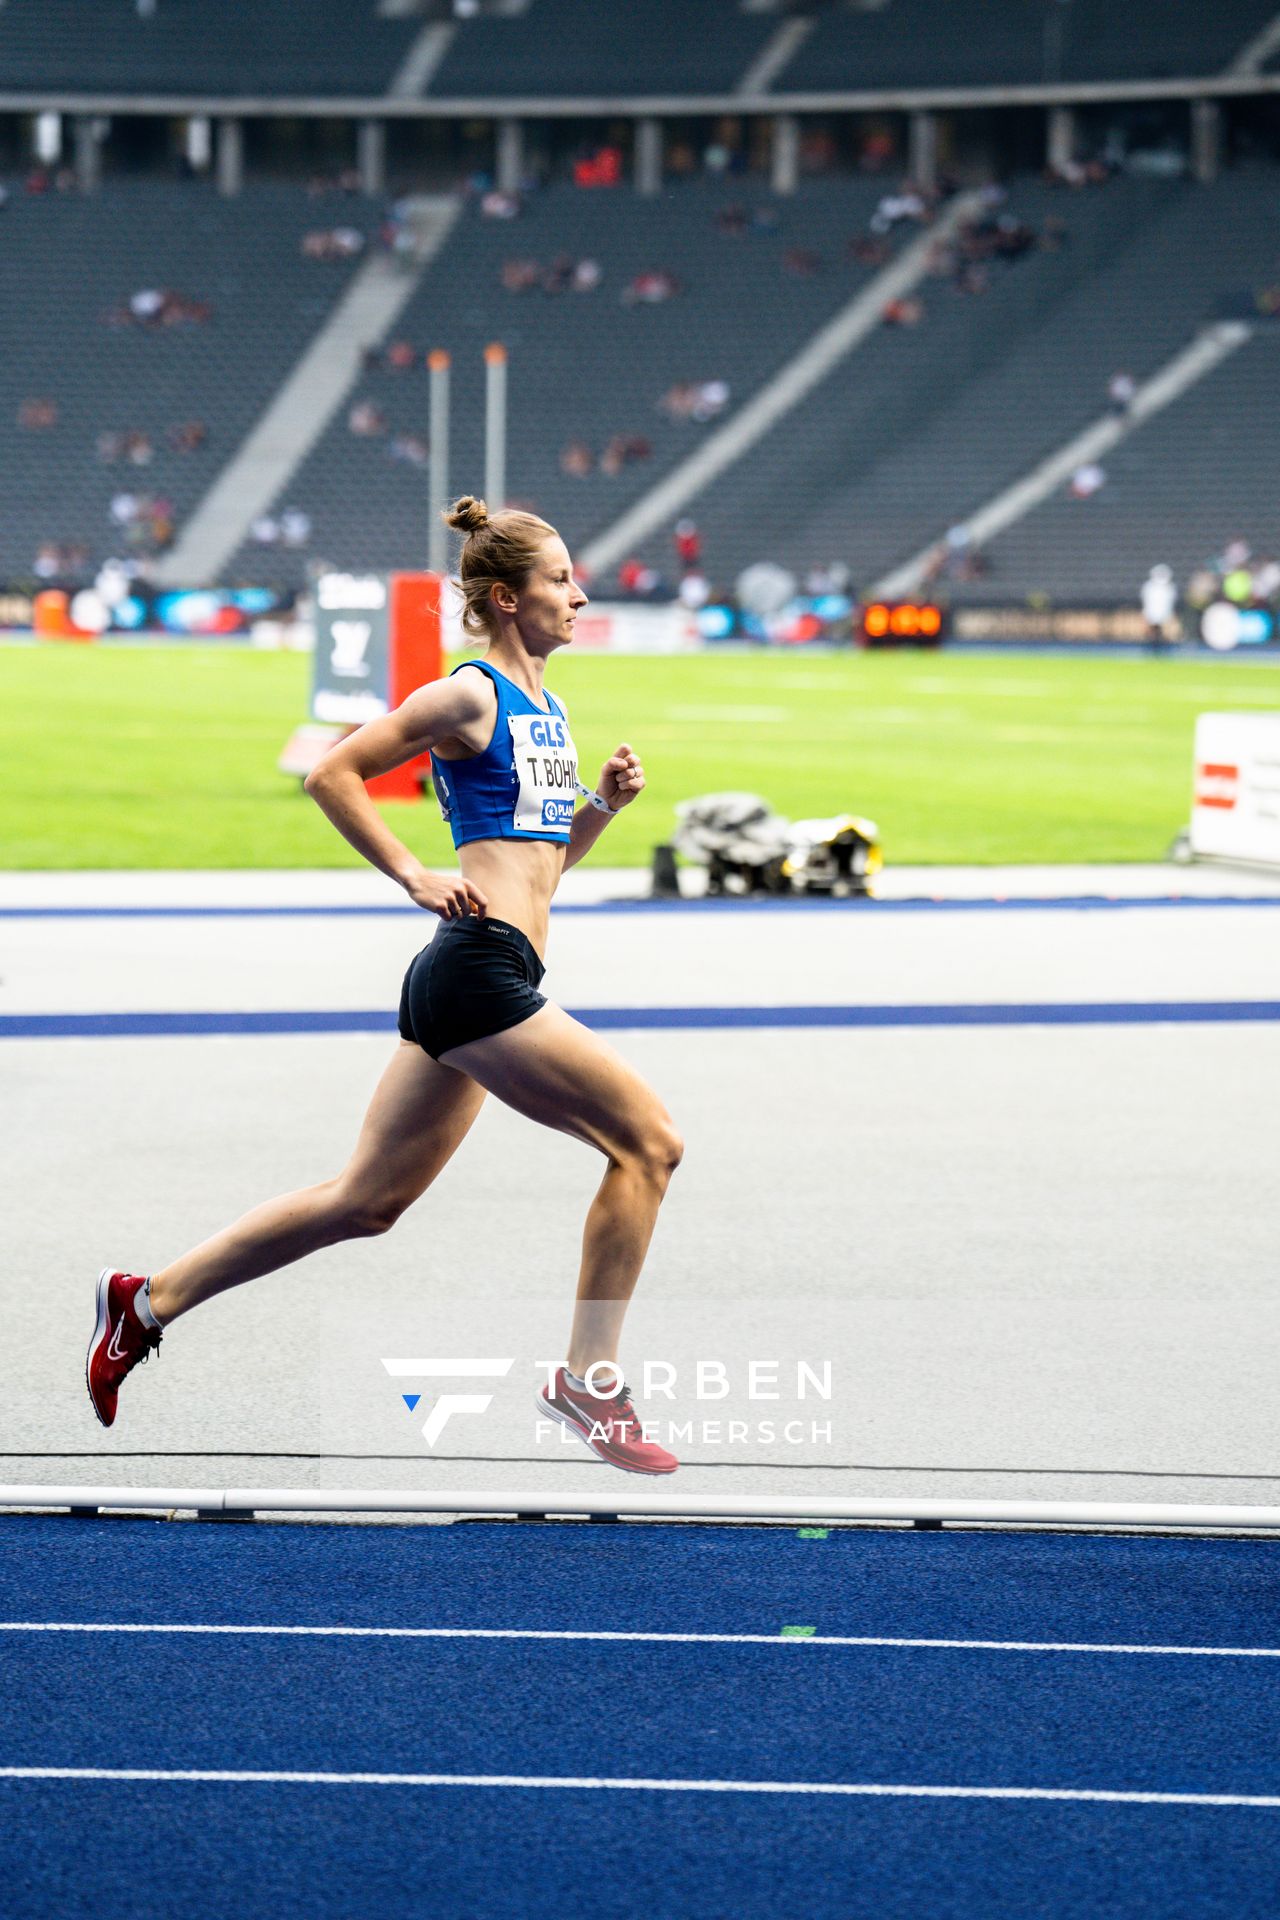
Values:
[(497, 551), (467, 515)]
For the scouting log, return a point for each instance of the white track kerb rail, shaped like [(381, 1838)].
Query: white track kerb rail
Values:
[(245, 1502)]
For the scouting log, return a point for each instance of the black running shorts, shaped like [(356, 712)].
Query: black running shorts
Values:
[(477, 977)]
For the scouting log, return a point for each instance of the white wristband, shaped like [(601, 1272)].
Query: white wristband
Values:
[(598, 801)]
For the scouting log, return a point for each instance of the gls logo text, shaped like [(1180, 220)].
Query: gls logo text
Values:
[(445, 1405)]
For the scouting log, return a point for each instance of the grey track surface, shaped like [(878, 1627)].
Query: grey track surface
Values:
[(1040, 1260)]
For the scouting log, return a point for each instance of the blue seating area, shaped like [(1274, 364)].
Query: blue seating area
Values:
[(66, 265), (584, 367), (966, 43), (914, 432), (238, 47), (578, 47), (332, 48)]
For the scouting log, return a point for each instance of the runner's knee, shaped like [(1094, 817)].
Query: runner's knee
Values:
[(361, 1216), (659, 1152)]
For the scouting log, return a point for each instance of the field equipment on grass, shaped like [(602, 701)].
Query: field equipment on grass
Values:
[(748, 848)]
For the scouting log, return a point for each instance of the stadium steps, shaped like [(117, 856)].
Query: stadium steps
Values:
[(813, 362), (263, 467), (941, 419), (65, 262), (1166, 388), (1191, 480), (582, 366)]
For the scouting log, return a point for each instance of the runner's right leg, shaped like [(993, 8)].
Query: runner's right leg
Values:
[(419, 1115)]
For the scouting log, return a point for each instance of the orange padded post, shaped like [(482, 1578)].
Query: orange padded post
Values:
[(416, 656)]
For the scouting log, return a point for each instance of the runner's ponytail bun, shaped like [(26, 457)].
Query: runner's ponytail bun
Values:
[(467, 515)]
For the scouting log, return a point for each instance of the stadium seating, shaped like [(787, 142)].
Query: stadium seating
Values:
[(583, 366), (65, 263), (925, 425), (244, 47), (580, 48), (968, 43), (1176, 492), (912, 434)]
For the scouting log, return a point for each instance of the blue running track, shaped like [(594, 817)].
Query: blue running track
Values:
[(672, 1722)]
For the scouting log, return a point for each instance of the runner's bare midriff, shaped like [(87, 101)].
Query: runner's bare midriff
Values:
[(517, 879)]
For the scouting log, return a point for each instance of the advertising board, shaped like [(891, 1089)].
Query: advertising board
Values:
[(1236, 801)]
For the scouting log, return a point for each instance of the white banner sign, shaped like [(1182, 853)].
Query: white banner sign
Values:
[(1235, 811)]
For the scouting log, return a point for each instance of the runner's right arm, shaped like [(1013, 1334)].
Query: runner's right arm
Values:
[(454, 709)]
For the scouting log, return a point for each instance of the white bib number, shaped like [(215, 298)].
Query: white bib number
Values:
[(546, 763)]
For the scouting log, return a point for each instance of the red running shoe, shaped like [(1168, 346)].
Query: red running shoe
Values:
[(610, 1427), (119, 1340)]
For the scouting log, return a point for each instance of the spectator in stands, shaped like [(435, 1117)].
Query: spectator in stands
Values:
[(601, 167), (870, 252), (586, 277), (621, 450), (409, 447), (37, 415), (906, 312), (640, 582), (731, 220), (366, 420), (688, 542), (802, 261), (1159, 598), (694, 590), (499, 206), (265, 532), (147, 304), (1086, 480), (401, 356), (295, 527), (1121, 388), (647, 289), (519, 276), (877, 152), (188, 436), (577, 459), (332, 243), (558, 277), (697, 400), (894, 208)]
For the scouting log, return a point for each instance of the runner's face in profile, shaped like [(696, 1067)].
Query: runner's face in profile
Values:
[(549, 600)]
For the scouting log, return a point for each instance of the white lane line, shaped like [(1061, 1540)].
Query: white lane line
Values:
[(661, 1639), (848, 1788)]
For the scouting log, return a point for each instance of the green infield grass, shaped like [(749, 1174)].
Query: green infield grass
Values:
[(118, 756)]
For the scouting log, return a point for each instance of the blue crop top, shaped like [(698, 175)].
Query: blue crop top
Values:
[(524, 786)]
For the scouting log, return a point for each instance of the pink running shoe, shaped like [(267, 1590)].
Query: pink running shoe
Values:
[(610, 1427), (119, 1340)]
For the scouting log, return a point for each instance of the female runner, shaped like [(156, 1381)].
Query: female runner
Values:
[(471, 1018)]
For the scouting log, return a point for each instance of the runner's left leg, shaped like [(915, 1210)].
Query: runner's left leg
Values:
[(556, 1071)]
